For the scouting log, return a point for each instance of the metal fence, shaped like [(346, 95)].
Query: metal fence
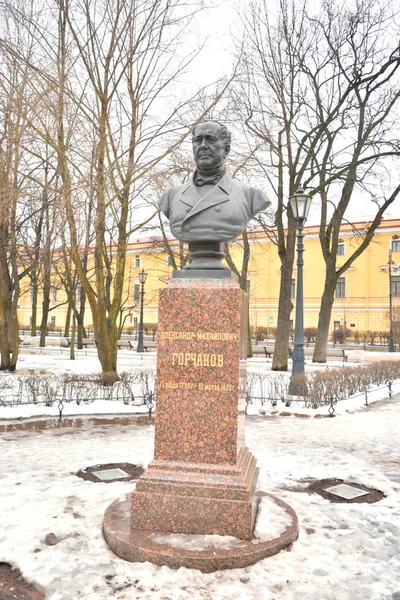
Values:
[(136, 389), (262, 389)]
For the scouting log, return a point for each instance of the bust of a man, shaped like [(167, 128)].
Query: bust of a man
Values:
[(211, 206)]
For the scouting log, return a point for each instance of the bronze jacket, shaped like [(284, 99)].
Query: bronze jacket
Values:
[(220, 215)]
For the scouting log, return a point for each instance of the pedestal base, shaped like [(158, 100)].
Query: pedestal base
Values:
[(195, 498), (138, 545)]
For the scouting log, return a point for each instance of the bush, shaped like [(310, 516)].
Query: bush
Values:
[(337, 335), (310, 333), (339, 383), (150, 329), (260, 333), (342, 383)]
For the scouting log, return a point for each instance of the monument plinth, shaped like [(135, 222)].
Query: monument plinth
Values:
[(202, 479)]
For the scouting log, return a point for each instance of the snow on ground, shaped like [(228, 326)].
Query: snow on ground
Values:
[(86, 361), (344, 551)]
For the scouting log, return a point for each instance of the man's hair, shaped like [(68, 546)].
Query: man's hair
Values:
[(225, 133)]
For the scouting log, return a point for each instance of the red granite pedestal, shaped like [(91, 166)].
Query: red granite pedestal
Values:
[(202, 479)]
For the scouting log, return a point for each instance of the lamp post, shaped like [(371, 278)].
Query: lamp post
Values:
[(391, 338), (300, 203), (142, 279)]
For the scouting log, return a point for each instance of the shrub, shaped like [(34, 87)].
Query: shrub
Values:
[(339, 383), (310, 334)]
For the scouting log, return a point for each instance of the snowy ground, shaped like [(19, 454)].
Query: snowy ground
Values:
[(344, 551)]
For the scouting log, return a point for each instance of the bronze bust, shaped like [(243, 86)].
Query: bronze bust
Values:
[(212, 207)]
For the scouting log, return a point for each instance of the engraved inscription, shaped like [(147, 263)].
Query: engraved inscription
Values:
[(213, 336), (205, 387), (197, 359)]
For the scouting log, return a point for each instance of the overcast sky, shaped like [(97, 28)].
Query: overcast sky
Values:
[(217, 27)]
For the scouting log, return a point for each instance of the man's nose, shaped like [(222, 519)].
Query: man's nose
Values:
[(203, 143)]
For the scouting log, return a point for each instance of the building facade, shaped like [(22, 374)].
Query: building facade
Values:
[(362, 292)]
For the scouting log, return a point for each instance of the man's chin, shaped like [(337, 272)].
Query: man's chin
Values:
[(205, 163)]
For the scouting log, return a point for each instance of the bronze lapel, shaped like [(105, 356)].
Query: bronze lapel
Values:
[(217, 195)]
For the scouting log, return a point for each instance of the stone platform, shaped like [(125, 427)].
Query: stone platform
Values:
[(139, 545), (198, 498), (203, 480)]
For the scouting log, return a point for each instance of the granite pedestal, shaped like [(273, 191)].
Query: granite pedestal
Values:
[(203, 478)]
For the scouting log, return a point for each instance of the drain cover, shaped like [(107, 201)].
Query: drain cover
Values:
[(337, 490), (110, 472), (348, 492)]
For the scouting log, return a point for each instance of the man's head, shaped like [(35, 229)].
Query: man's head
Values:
[(211, 145)]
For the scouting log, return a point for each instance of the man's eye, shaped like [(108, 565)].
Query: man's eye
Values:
[(211, 139)]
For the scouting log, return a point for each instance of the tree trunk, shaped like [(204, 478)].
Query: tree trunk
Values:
[(106, 338), (45, 303), (5, 348), (34, 306), (285, 307), (9, 334), (321, 341), (249, 347), (80, 317), (72, 346), (9, 329), (14, 338), (45, 315), (67, 320)]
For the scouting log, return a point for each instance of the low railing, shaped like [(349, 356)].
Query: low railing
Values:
[(136, 389), (330, 401), (324, 388)]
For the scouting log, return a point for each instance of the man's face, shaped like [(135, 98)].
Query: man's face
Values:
[(208, 147)]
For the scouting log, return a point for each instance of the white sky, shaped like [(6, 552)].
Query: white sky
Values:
[(220, 24)]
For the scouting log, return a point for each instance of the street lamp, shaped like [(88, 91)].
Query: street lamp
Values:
[(142, 279), (300, 204), (391, 338)]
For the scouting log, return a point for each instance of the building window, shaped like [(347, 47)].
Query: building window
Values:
[(136, 291), (293, 289), (169, 260), (395, 286), (248, 287), (54, 294), (340, 291), (52, 322), (137, 261), (396, 245), (31, 295), (341, 249)]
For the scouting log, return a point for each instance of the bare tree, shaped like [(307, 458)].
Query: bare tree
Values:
[(13, 98), (101, 83), (320, 92)]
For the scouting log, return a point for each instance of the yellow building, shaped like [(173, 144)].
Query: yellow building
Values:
[(362, 293)]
